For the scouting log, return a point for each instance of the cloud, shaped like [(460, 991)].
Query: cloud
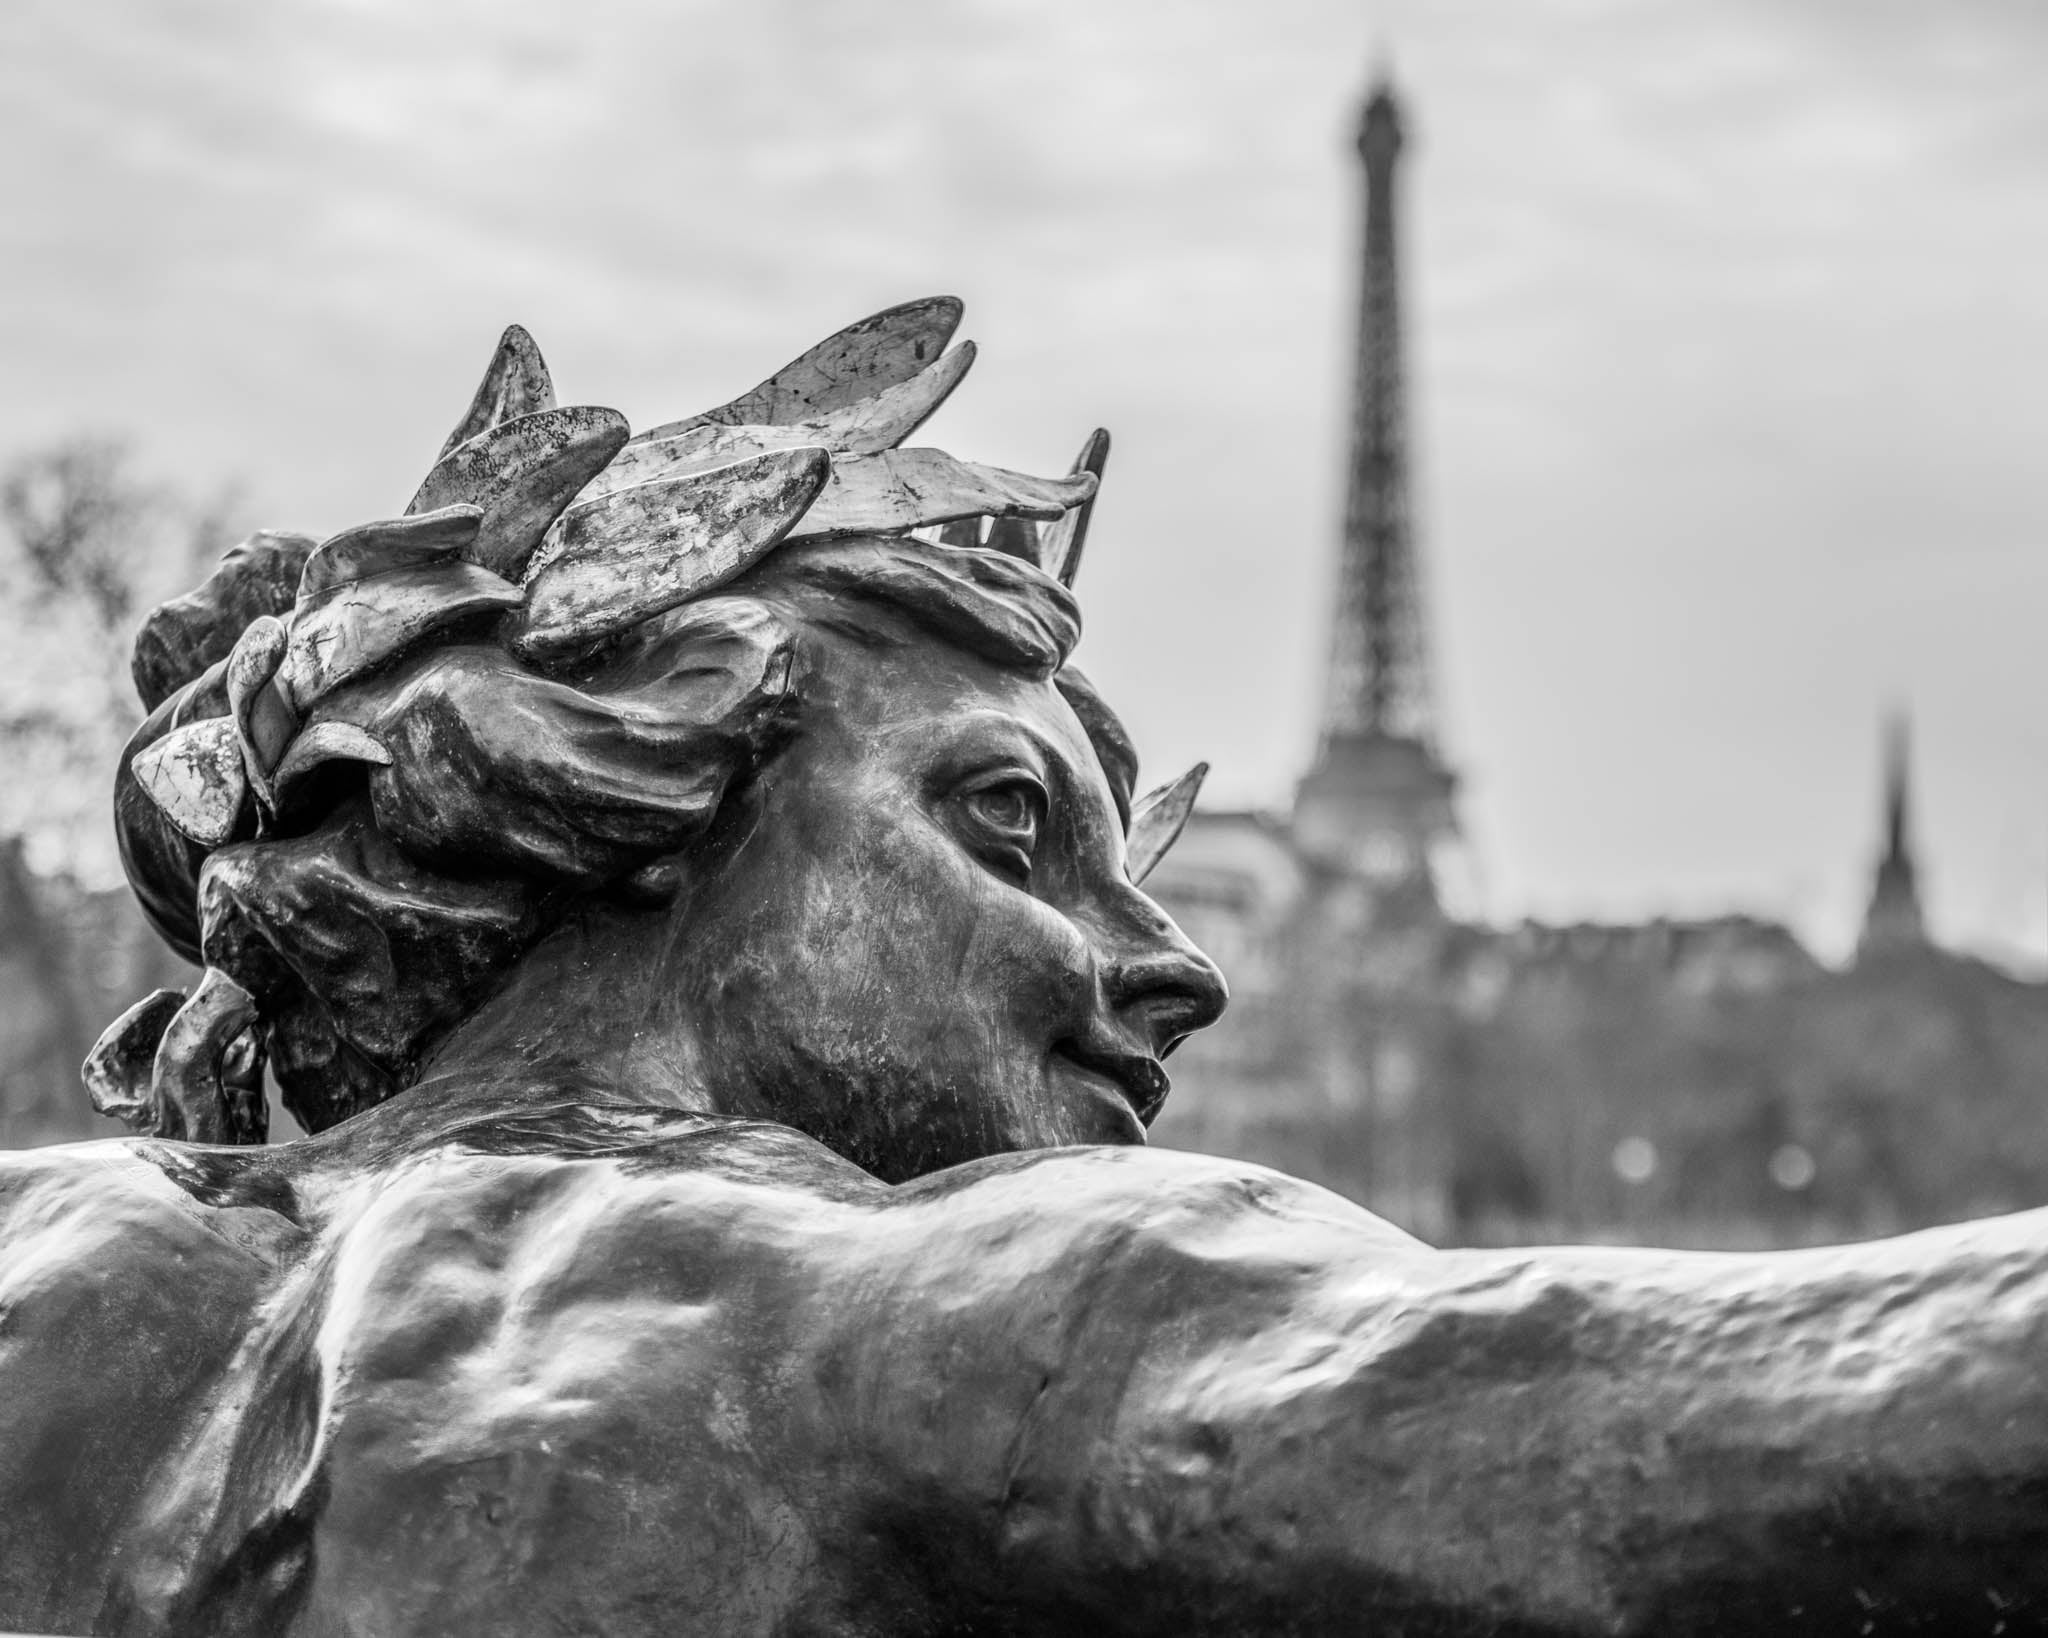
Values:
[(1723, 314)]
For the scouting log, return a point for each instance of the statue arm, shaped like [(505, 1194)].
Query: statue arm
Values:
[(1134, 1392), (1224, 1400)]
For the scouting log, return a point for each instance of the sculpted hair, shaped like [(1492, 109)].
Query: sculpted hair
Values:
[(391, 899), (377, 769)]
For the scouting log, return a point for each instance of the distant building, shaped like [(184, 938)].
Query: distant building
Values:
[(1328, 919), (1704, 1081)]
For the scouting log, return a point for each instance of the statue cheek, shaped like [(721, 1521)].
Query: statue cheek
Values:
[(1044, 966)]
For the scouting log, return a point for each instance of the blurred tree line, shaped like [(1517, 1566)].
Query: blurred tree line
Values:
[(1707, 1084), (88, 545), (1621, 1096)]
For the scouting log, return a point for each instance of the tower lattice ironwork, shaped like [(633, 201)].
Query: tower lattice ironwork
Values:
[(1378, 796), (1378, 682)]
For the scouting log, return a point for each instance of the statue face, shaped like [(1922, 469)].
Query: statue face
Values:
[(424, 794), (917, 942)]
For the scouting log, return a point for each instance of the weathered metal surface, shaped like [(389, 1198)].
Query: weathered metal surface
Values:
[(370, 622), (324, 742), (522, 473), (264, 718), (857, 362), (860, 428), (635, 553), (515, 1363), (1159, 818), (898, 489), (731, 1049), (206, 1090), (516, 383), (186, 635), (419, 540), (117, 1072), (1062, 542), (195, 776)]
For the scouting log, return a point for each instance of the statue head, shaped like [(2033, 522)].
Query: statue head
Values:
[(737, 765)]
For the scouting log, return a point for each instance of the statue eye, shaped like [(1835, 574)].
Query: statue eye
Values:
[(1003, 818), (1006, 807)]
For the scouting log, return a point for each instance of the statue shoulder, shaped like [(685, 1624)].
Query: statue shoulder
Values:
[(688, 1210), (611, 1345), (104, 1225), (123, 1300), (101, 1244), (447, 1246), (694, 1208)]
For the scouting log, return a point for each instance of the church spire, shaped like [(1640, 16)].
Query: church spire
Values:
[(1894, 920), (1897, 843)]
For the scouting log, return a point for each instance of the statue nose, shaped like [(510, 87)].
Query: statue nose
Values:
[(1164, 989)]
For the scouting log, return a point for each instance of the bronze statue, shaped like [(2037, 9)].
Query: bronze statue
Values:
[(693, 905)]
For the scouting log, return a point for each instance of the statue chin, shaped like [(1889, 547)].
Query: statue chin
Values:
[(695, 911)]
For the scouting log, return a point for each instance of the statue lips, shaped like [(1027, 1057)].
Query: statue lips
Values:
[(1138, 1077)]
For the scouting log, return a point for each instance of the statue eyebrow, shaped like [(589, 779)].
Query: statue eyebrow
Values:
[(966, 756), (1063, 773)]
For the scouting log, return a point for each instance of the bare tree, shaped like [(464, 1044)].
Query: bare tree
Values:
[(87, 547)]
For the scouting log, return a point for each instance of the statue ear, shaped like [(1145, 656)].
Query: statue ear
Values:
[(612, 562), (515, 383), (1158, 819), (862, 359)]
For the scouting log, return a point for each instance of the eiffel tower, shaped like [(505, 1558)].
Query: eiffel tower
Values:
[(1378, 797)]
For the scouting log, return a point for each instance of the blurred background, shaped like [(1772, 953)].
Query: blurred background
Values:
[(1608, 592)]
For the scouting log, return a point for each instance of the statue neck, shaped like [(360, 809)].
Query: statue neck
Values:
[(582, 1012)]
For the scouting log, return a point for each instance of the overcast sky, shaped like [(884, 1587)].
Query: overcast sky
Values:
[(1730, 347)]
